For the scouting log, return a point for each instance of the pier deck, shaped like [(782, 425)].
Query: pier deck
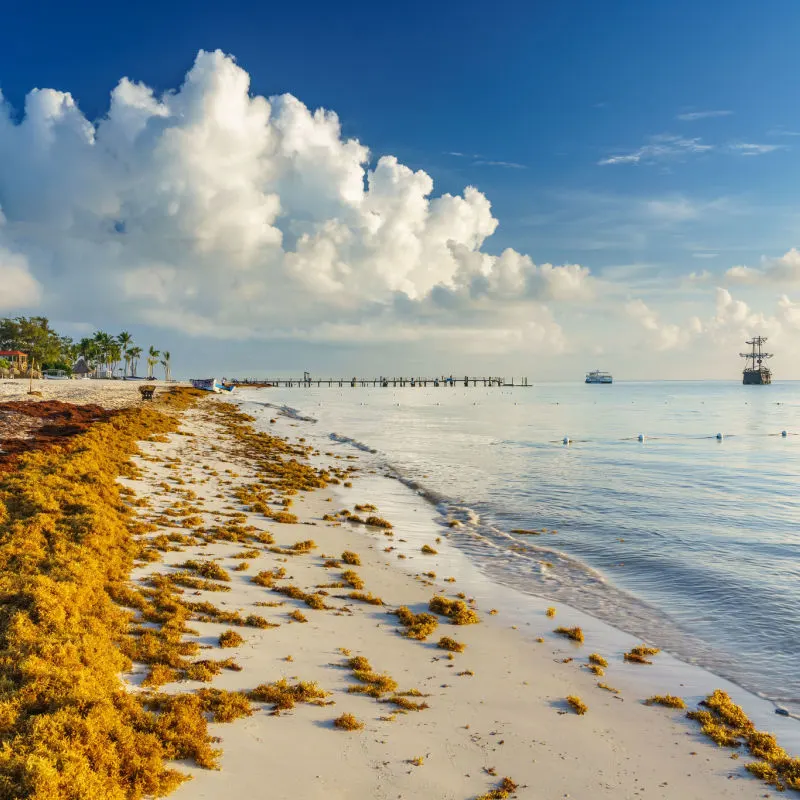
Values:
[(307, 382)]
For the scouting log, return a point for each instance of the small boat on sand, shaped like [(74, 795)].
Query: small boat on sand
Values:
[(206, 384), (55, 375), (212, 385)]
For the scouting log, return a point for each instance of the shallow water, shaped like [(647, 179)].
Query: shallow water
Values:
[(686, 540)]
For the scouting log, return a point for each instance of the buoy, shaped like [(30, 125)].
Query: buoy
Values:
[(641, 437), (719, 437), (783, 433)]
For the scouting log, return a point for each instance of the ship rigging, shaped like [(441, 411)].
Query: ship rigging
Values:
[(755, 372)]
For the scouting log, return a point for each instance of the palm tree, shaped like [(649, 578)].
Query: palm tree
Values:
[(152, 360), (125, 340), (114, 355), (103, 342), (165, 364), (133, 355), (88, 349)]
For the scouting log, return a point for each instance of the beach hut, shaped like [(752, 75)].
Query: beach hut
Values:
[(81, 368), (17, 359)]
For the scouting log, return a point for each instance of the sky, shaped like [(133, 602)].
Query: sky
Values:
[(521, 188)]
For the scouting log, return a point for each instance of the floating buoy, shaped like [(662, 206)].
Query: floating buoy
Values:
[(719, 437), (784, 434), (641, 437)]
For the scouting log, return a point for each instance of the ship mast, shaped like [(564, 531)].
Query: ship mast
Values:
[(756, 356)]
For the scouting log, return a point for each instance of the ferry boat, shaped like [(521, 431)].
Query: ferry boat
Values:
[(595, 376), (755, 372)]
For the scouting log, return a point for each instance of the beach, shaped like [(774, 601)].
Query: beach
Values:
[(442, 723)]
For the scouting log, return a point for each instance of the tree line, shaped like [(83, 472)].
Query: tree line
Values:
[(47, 349)]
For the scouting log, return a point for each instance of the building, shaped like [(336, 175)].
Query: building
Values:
[(17, 359), (81, 368)]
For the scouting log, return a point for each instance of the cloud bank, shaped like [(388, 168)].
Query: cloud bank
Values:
[(211, 212), (220, 213)]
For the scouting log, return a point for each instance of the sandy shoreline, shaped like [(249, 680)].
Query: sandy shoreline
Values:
[(107, 393), (509, 717)]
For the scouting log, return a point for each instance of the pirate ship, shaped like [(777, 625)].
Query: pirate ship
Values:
[(755, 373)]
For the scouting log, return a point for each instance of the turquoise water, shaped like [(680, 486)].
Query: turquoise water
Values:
[(690, 541)]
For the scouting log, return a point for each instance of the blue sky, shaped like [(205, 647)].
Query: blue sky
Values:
[(641, 141)]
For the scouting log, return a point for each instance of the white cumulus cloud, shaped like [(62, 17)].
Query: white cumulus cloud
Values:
[(220, 213)]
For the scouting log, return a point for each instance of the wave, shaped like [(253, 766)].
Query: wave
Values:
[(288, 411), (365, 448)]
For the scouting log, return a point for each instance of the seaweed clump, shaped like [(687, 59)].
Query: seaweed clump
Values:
[(667, 700), (446, 643), (347, 722), (417, 626), (725, 723), (66, 551), (576, 634), (638, 654), (456, 610), (349, 557), (505, 789), (230, 639), (577, 705), (283, 696), (366, 597)]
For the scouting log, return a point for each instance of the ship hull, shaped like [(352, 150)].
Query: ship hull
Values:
[(756, 377)]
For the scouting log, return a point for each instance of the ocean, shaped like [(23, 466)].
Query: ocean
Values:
[(685, 539)]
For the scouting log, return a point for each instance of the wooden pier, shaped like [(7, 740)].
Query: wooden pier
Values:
[(308, 382)]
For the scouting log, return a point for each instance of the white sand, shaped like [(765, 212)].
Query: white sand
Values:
[(510, 718), (107, 393)]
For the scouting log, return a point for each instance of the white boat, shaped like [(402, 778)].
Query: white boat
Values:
[(55, 375), (206, 384), (595, 376)]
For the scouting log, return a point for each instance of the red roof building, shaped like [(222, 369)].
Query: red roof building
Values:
[(18, 359)]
